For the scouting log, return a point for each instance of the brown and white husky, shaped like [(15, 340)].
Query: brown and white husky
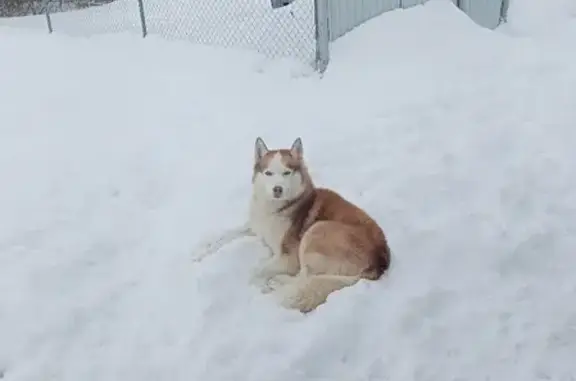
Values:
[(319, 241)]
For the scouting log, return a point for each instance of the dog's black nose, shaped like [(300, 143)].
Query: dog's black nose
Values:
[(277, 190)]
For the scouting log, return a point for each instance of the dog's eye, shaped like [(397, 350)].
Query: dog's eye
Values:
[(268, 173), (286, 173)]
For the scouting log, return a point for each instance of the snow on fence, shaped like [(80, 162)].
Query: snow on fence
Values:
[(302, 29)]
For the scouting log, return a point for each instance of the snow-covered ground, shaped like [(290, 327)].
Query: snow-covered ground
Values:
[(118, 155)]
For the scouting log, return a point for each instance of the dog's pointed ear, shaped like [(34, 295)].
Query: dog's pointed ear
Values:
[(260, 149), (297, 150)]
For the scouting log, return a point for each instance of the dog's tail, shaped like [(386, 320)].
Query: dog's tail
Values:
[(382, 257), (306, 293), (211, 246)]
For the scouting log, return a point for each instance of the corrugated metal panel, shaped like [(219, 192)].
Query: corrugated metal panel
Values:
[(411, 3), (345, 15), (484, 12)]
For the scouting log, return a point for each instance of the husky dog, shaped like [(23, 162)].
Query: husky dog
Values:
[(320, 242)]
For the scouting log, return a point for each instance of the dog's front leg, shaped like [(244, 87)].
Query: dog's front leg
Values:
[(213, 244), (278, 264)]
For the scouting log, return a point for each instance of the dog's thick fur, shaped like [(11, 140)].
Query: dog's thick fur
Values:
[(319, 241)]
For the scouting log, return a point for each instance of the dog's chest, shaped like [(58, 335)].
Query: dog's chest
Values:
[(269, 227)]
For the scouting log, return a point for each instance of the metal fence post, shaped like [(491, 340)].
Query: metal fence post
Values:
[(49, 21), (142, 18), (504, 11), (322, 34)]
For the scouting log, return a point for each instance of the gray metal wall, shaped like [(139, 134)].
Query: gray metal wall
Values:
[(345, 15), (335, 18), (411, 3), (486, 13)]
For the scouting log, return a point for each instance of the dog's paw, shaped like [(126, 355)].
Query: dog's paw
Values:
[(276, 282), (280, 280), (263, 280), (266, 287)]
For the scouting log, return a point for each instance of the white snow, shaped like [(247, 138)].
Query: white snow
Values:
[(529, 16), (118, 155)]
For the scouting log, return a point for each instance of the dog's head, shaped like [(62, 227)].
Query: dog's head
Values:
[(279, 174)]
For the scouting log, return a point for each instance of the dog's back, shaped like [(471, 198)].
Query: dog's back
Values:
[(346, 232)]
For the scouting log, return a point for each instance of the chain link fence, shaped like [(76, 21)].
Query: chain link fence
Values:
[(113, 17), (247, 24), (301, 29), (286, 31)]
